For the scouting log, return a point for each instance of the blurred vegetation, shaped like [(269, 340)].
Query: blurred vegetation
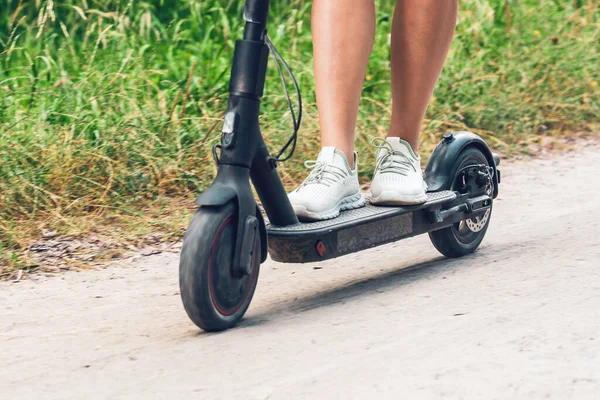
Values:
[(108, 109)]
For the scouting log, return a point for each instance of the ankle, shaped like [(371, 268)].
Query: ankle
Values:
[(350, 159)]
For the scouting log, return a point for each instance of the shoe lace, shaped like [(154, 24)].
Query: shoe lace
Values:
[(323, 173), (392, 161)]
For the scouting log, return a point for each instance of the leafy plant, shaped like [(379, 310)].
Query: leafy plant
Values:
[(108, 109)]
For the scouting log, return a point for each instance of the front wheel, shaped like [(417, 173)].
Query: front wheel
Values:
[(465, 236), (213, 296)]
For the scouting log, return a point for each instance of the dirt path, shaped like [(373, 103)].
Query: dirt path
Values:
[(519, 319)]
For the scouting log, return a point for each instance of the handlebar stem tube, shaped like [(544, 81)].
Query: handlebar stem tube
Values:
[(256, 12), (242, 143)]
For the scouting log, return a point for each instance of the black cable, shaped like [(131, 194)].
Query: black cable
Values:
[(215, 154), (297, 120), (294, 137)]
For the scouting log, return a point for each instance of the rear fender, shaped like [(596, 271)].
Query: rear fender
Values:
[(440, 166)]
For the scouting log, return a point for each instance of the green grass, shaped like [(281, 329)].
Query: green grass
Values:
[(108, 109)]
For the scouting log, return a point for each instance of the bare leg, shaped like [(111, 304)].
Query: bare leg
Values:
[(343, 34), (421, 34)]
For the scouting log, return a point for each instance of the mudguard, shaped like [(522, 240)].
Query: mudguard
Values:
[(439, 168), (232, 184), (216, 195)]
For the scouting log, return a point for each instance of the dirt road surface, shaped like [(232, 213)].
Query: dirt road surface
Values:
[(520, 319)]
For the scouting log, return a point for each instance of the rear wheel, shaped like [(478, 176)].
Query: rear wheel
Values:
[(465, 236), (214, 297)]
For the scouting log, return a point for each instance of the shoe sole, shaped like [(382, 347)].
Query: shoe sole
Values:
[(393, 198), (347, 203)]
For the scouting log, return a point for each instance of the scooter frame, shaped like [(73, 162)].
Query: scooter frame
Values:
[(244, 154), (220, 263)]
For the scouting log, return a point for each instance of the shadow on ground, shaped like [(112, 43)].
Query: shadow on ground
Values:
[(379, 283)]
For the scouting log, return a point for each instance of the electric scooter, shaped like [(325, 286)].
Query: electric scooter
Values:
[(228, 238)]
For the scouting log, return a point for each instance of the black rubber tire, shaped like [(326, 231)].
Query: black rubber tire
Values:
[(205, 269), (447, 240)]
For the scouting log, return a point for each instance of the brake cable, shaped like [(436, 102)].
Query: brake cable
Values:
[(279, 60), (296, 119)]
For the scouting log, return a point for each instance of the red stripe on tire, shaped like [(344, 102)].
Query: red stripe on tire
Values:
[(220, 309)]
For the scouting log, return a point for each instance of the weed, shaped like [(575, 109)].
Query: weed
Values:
[(108, 109)]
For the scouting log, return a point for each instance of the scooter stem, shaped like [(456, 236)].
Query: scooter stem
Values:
[(243, 150), (242, 142), (255, 15)]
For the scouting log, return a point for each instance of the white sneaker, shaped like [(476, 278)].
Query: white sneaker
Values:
[(330, 187), (398, 178)]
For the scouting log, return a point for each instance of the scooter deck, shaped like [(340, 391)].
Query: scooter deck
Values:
[(354, 230)]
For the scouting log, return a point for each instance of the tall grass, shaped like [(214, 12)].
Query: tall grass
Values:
[(108, 109)]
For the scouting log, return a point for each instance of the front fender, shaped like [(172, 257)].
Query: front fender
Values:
[(232, 185), (439, 168), (216, 195)]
